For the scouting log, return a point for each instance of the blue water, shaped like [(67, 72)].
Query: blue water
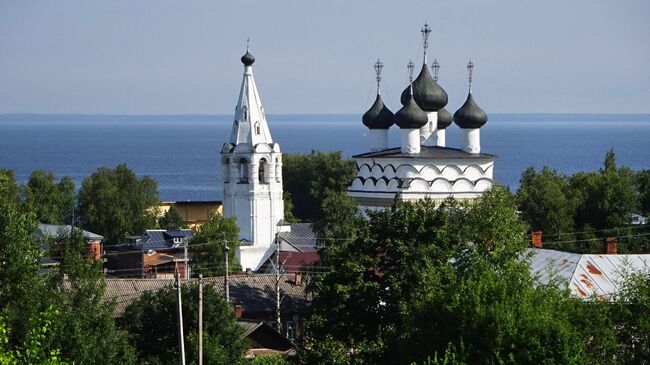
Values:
[(182, 152)]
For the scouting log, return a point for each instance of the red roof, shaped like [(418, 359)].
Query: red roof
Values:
[(295, 261)]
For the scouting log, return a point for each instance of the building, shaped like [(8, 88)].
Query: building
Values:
[(193, 212), (252, 175), (422, 166), (155, 254), (50, 235)]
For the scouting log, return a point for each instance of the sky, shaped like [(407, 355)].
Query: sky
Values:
[(182, 57)]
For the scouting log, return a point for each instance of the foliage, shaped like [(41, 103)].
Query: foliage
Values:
[(8, 187), (269, 359), (546, 201), (52, 202), (32, 351), (151, 322), (632, 315), (416, 278), (86, 332), (207, 246), (642, 184), (310, 178), (116, 203), (171, 219)]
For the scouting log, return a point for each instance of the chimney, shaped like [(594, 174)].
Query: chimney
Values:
[(537, 239), (298, 279), (611, 244), (249, 271), (239, 310)]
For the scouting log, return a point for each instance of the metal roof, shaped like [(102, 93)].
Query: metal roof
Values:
[(256, 292), (586, 275), (301, 238), (427, 152), (55, 230)]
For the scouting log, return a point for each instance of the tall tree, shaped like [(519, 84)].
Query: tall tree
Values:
[(116, 203), (546, 202), (643, 188), (152, 324), (172, 219), (207, 246), (52, 202), (309, 178)]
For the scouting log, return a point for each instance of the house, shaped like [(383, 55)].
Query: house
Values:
[(193, 212), (298, 251), (50, 233), (264, 339), (155, 254), (253, 296)]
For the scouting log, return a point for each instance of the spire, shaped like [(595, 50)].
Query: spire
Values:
[(250, 126), (410, 66), (435, 67), (470, 70), (378, 67), (426, 30)]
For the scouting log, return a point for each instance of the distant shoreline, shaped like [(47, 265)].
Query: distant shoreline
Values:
[(42, 117)]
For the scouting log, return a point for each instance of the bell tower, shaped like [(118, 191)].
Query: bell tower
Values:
[(251, 166)]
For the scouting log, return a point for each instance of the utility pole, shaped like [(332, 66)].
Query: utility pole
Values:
[(200, 319), (226, 284), (181, 341), (277, 283)]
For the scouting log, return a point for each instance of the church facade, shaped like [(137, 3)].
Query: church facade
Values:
[(422, 167)]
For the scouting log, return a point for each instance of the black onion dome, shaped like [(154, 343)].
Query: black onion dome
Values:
[(426, 91), (247, 59), (411, 116), (470, 115), (378, 116), (444, 118)]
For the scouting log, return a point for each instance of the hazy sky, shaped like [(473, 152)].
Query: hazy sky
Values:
[(173, 56)]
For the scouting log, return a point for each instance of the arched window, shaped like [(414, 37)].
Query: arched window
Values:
[(257, 128), (226, 170), (243, 171), (263, 172)]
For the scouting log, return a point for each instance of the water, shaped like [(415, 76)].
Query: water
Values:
[(182, 152)]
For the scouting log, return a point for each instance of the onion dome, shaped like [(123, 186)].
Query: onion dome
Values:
[(470, 115), (444, 118), (426, 91), (247, 59), (411, 116), (378, 116)]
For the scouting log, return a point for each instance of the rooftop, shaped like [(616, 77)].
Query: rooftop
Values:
[(436, 152)]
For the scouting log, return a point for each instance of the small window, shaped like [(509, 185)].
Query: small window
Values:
[(245, 110), (291, 330), (243, 171), (257, 128), (226, 170)]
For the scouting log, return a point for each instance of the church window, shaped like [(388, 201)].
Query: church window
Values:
[(257, 128), (243, 171), (263, 172), (226, 170)]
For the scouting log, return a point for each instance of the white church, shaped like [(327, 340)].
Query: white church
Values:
[(421, 167)]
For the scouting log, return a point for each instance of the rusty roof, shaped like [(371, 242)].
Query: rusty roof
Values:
[(587, 275)]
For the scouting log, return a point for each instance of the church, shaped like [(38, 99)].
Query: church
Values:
[(422, 167)]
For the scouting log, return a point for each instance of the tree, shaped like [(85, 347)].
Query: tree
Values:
[(116, 203), (85, 331), (152, 325), (33, 351), (643, 188), (546, 202), (309, 178), (171, 220), (207, 246), (52, 202), (419, 280)]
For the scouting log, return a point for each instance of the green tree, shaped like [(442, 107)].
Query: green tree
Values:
[(152, 325), (309, 178), (643, 189), (85, 331), (171, 219), (546, 202), (51, 201), (418, 277), (33, 351), (207, 246), (116, 203)]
